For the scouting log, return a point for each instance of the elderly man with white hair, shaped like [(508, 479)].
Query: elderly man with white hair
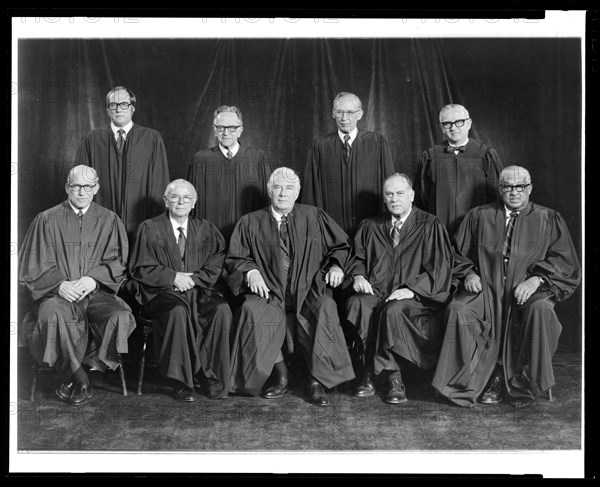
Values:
[(283, 260), (73, 261)]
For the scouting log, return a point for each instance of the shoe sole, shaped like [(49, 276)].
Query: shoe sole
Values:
[(61, 397), (397, 402), (369, 394), (89, 396)]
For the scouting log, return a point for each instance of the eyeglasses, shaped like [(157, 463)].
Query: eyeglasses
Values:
[(174, 198), (348, 113), (77, 187), (123, 105), (507, 188), (230, 128), (458, 123)]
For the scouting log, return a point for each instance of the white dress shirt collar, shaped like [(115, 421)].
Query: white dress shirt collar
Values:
[(176, 226), (234, 149), (76, 210), (352, 135), (126, 128)]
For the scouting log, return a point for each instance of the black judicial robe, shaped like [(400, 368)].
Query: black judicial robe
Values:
[(317, 243), (347, 192), (155, 260), (229, 189), (132, 186), (449, 185), (421, 262), (541, 246)]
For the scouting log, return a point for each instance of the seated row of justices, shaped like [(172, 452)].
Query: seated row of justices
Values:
[(343, 173), (480, 316)]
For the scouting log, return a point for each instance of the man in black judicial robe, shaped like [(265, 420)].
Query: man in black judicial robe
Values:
[(176, 260), (345, 169), (281, 259), (130, 159), (457, 175), (401, 267), (230, 177), (515, 260), (73, 261)]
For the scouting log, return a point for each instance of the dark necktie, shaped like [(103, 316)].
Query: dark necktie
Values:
[(347, 149), (508, 235), (395, 233), (229, 155), (181, 242), (80, 215), (455, 149), (120, 141), (284, 241)]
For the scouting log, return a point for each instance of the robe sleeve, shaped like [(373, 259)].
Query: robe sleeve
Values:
[(387, 161), (492, 167), (144, 264), (311, 186), (159, 177), (336, 242), (433, 282), (465, 248), (84, 152), (214, 245), (357, 265), (422, 182), (38, 269), (560, 266), (239, 258)]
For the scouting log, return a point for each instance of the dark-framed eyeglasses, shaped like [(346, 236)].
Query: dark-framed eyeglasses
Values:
[(231, 128), (123, 105), (458, 123), (348, 113), (175, 198), (77, 187), (507, 188)]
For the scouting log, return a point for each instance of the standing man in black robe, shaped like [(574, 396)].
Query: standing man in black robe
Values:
[(457, 175), (230, 177), (515, 259), (130, 159), (401, 267), (345, 169), (282, 260), (73, 261), (177, 260)]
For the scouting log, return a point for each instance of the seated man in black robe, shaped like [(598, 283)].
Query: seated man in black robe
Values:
[(176, 260), (401, 268), (73, 261), (281, 259), (515, 260)]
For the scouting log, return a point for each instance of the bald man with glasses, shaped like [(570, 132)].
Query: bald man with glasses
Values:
[(458, 174)]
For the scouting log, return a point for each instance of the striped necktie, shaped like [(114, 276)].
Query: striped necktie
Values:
[(181, 242), (395, 233), (347, 149), (120, 141), (508, 235)]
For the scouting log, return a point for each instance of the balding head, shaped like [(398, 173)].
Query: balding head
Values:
[(81, 186), (516, 173), (85, 174)]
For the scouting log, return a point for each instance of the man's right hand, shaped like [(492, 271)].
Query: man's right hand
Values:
[(257, 284), (473, 283), (361, 285), (183, 281), (69, 291)]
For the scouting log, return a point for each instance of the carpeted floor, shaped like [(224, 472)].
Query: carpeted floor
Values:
[(154, 422)]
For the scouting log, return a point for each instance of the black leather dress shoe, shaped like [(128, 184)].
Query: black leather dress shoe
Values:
[(81, 394), (277, 390), (366, 388), (184, 394), (397, 392), (317, 395), (65, 391), (493, 394)]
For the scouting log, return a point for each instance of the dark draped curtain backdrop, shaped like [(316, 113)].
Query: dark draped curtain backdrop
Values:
[(524, 97)]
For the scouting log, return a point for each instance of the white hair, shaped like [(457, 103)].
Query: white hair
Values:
[(289, 175)]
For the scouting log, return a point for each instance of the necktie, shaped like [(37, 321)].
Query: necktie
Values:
[(229, 155), (347, 149), (120, 141), (395, 233), (508, 235), (284, 241), (181, 242), (80, 215), (454, 149)]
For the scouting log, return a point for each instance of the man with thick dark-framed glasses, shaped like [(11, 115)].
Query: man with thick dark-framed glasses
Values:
[(345, 169), (176, 260), (230, 177), (73, 261), (458, 174), (514, 260), (130, 159)]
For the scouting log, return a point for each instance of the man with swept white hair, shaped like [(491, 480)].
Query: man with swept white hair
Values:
[(176, 260), (73, 261), (345, 169), (515, 260), (282, 260), (458, 174)]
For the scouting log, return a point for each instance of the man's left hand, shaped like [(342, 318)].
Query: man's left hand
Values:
[(335, 276), (524, 290), (399, 294), (85, 285)]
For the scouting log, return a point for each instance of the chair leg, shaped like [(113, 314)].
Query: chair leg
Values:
[(550, 398), (142, 366), (122, 375), (35, 368)]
